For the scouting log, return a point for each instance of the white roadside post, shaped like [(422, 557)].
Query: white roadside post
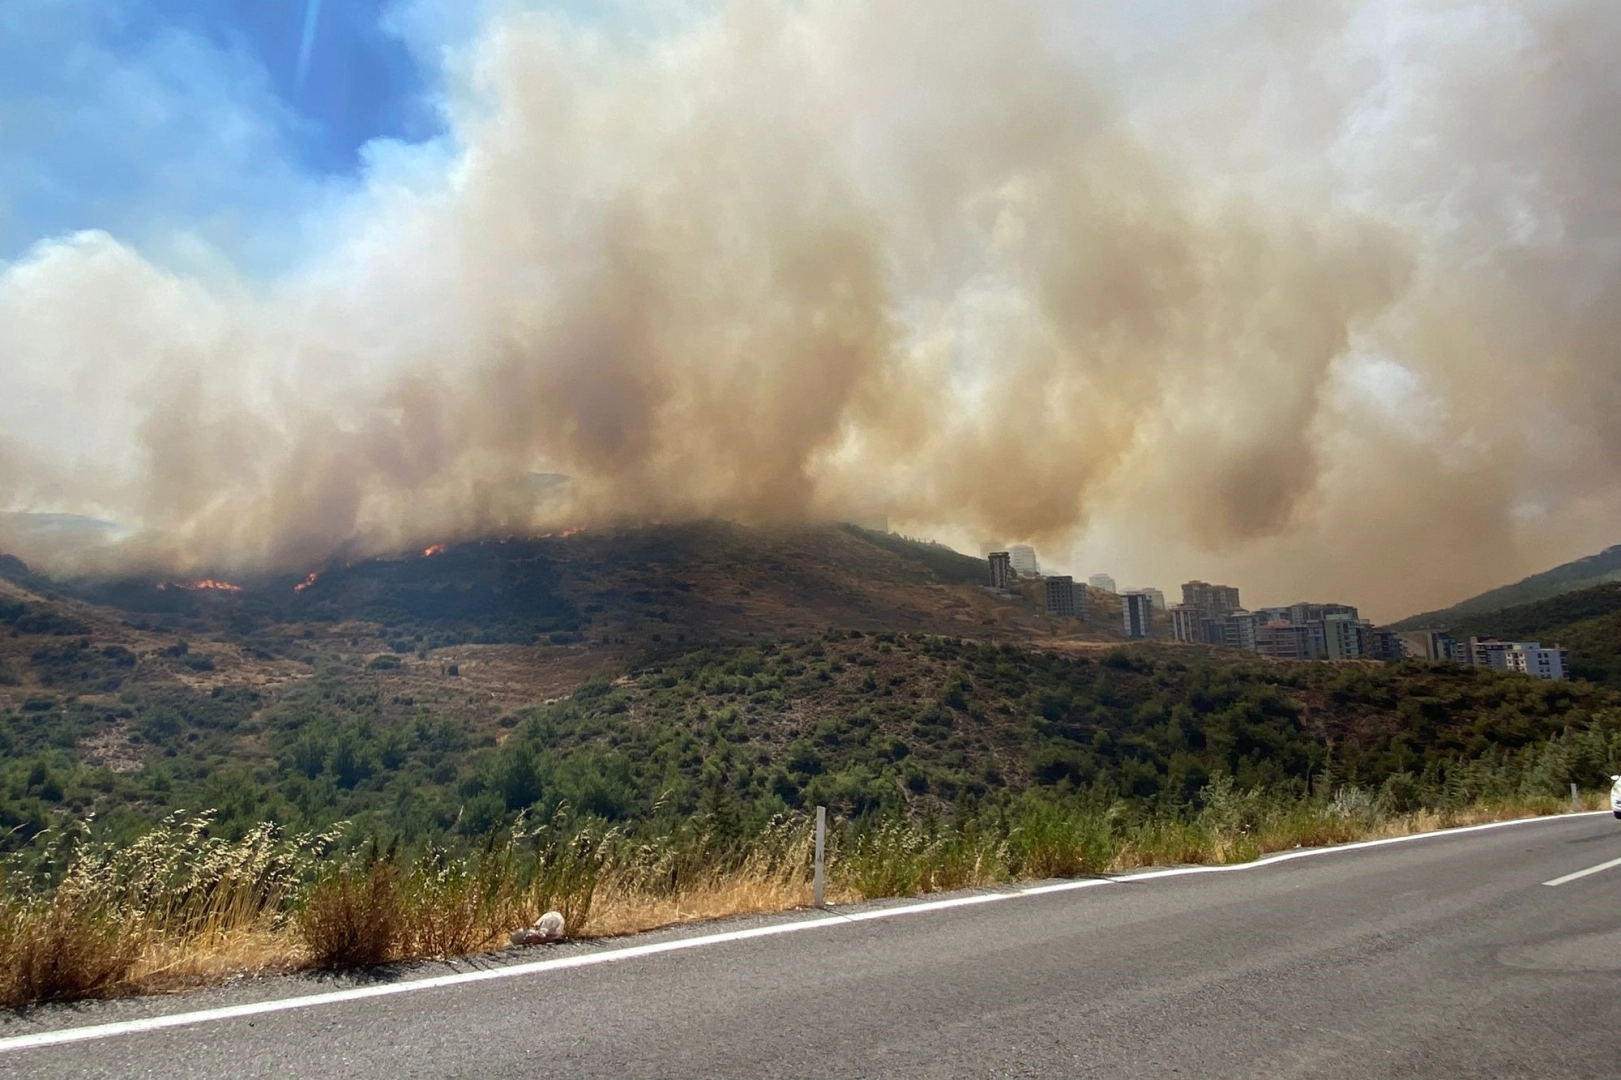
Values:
[(821, 843), (1575, 800)]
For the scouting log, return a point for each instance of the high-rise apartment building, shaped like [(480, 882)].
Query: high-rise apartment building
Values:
[(1002, 575), (1385, 644), (1310, 613), (1102, 581), (1344, 637), (1307, 631), (1024, 560), (1231, 630), (1526, 657), (1491, 653), (1062, 598), (1187, 623), (1532, 659), (1210, 600), (1137, 609), (1437, 645), (1286, 641), (1234, 630)]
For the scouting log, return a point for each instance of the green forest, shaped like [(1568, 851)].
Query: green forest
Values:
[(868, 724)]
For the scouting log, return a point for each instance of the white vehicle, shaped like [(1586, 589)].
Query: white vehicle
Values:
[(1615, 795)]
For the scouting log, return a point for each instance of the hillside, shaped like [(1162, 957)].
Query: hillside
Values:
[(430, 749), (1587, 623), (129, 696), (1571, 577), (706, 580), (525, 608), (520, 620), (668, 670), (859, 722)]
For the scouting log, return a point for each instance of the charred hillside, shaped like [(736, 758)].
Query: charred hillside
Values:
[(704, 580), (486, 625)]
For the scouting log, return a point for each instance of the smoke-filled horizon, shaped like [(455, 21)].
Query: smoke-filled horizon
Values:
[(1323, 299)]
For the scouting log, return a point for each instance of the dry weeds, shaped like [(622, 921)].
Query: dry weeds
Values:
[(178, 909)]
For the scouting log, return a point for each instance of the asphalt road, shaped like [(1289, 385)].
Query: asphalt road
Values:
[(1437, 958)]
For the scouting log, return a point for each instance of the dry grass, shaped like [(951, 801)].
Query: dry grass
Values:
[(619, 912), (171, 965), (175, 905), (179, 909), (62, 949)]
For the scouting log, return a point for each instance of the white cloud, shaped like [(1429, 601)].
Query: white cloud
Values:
[(152, 133)]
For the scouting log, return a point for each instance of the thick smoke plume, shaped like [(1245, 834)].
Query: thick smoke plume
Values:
[(1323, 297)]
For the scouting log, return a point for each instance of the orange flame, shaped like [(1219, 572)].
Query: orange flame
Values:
[(206, 585), (437, 549), (307, 582)]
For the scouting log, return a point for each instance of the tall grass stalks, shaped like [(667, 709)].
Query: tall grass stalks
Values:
[(80, 918)]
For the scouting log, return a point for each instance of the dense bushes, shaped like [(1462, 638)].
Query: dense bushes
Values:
[(867, 724)]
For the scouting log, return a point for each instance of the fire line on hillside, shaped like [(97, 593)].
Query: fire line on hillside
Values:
[(206, 585)]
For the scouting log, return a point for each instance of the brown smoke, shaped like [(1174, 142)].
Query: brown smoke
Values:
[(1321, 297)]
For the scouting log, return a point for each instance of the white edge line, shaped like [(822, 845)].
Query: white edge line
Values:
[(63, 1036), (1583, 873)]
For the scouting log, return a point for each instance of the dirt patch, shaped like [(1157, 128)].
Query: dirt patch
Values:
[(110, 747)]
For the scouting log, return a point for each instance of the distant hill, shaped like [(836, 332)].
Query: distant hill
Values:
[(1586, 622), (1571, 577), (711, 580)]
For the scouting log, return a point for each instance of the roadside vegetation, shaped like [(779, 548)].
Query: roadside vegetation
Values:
[(83, 917)]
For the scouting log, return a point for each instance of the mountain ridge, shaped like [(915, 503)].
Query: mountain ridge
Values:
[(1568, 577)]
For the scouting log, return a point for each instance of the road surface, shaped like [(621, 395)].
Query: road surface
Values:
[(1441, 957)]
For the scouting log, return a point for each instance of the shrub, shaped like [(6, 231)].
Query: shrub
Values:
[(1051, 840), (355, 917)]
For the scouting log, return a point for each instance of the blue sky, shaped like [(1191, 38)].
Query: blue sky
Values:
[(172, 122), (157, 118)]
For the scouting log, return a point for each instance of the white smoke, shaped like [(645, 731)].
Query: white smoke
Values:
[(1322, 297)]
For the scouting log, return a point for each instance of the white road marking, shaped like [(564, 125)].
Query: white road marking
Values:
[(361, 993), (1584, 873)]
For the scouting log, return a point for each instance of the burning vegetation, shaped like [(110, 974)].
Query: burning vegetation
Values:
[(206, 585)]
